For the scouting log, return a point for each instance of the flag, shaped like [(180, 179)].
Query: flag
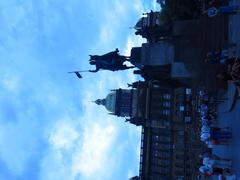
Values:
[(78, 75)]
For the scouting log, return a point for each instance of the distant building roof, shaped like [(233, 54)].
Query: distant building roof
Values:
[(109, 102)]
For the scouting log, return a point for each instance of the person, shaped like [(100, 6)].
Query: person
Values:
[(220, 135), (205, 128), (205, 121), (209, 115), (210, 171), (233, 76), (223, 10), (235, 72), (205, 136), (211, 143), (204, 107), (215, 133), (220, 58), (215, 161), (213, 56), (225, 76)]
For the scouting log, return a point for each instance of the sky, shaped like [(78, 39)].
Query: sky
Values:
[(49, 127)]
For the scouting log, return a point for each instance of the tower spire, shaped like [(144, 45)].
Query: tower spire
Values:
[(100, 102)]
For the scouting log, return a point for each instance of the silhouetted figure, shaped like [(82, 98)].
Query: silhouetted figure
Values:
[(105, 66), (111, 61), (109, 58)]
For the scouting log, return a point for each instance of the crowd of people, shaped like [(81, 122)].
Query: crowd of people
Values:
[(212, 135), (214, 165), (213, 8), (231, 63)]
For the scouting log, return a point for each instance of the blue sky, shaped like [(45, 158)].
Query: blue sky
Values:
[(49, 129)]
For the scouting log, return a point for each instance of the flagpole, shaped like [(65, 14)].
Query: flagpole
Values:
[(79, 71)]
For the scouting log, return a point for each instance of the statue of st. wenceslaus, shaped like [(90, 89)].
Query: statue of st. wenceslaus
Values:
[(111, 61)]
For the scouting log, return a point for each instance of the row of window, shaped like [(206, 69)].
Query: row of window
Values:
[(160, 138), (165, 104), (157, 153), (161, 163), (157, 111), (166, 96), (160, 170), (157, 123), (158, 131)]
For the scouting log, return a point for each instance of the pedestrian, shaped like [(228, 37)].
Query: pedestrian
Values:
[(216, 56), (220, 135), (204, 107), (205, 128), (208, 119), (223, 10), (208, 171), (212, 143), (205, 136), (225, 76), (205, 122), (221, 60), (216, 162), (235, 72)]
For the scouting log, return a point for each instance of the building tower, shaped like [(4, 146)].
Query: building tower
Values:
[(122, 103)]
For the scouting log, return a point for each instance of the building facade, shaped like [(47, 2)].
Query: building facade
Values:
[(164, 113)]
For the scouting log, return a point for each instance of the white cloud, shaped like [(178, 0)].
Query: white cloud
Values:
[(111, 22), (63, 135), (10, 83), (94, 157), (114, 18), (155, 5), (132, 41), (138, 6), (82, 151)]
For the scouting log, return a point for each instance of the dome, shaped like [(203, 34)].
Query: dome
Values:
[(142, 22), (110, 102)]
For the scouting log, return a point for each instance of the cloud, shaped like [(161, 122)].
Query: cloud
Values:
[(132, 41), (46, 116), (99, 137), (115, 21), (155, 5), (63, 135), (80, 148), (10, 83), (95, 155)]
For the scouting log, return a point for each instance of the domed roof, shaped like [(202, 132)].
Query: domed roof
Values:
[(141, 23), (111, 102)]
